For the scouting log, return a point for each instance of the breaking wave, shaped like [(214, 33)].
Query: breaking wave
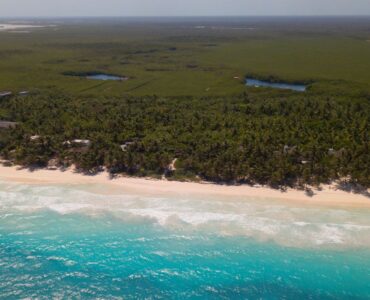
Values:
[(288, 224), (68, 242)]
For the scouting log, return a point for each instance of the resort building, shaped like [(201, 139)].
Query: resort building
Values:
[(7, 124)]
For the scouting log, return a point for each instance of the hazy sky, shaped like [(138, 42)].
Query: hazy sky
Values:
[(36, 8)]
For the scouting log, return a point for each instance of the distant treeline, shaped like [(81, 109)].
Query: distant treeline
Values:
[(281, 139)]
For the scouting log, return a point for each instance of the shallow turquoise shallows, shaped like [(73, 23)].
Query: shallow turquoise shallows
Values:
[(78, 242)]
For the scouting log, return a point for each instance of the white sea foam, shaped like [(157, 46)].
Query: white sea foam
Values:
[(288, 224)]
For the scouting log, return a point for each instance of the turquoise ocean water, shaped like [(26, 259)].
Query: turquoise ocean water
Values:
[(66, 242)]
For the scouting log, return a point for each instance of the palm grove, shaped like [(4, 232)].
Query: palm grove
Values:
[(275, 138)]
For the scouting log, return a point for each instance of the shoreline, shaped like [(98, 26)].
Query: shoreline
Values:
[(327, 195)]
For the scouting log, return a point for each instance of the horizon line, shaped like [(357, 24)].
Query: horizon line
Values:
[(189, 16)]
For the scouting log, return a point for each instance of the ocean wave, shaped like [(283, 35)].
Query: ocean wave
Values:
[(287, 224)]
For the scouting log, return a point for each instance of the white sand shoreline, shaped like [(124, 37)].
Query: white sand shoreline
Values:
[(328, 195)]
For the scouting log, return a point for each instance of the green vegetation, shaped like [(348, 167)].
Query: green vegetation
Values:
[(184, 58), (186, 99), (280, 139)]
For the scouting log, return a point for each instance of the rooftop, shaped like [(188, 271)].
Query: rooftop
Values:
[(7, 124)]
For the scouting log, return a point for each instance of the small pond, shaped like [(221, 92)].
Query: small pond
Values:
[(276, 85), (95, 76), (105, 77)]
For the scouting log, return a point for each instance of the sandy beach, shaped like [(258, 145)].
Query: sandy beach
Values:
[(327, 195)]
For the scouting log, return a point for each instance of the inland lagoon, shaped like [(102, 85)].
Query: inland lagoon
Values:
[(105, 77), (96, 76), (276, 85)]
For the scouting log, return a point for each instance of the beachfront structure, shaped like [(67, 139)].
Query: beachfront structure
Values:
[(5, 94), (7, 124), (53, 164), (336, 153), (289, 149), (78, 142), (125, 145), (172, 166), (35, 137), (81, 142)]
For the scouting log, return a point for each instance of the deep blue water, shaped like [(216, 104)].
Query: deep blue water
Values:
[(62, 242), (276, 85), (105, 77)]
